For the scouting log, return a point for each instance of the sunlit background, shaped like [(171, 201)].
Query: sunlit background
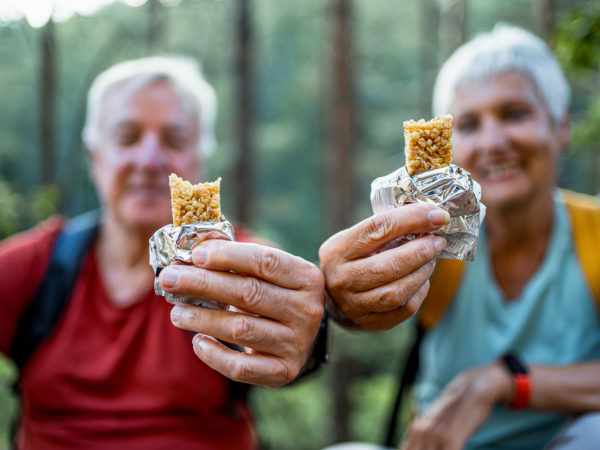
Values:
[(327, 86)]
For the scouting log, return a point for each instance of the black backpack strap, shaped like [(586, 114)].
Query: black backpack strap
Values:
[(38, 320), (407, 374)]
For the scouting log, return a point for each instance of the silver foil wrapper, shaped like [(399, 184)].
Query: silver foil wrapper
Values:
[(174, 245), (451, 188)]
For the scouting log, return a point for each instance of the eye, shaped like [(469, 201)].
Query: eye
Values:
[(127, 136), (516, 114), (176, 140), (467, 124)]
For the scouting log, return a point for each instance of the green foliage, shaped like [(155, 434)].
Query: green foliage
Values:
[(19, 211), (8, 402), (10, 203), (578, 39), (292, 58)]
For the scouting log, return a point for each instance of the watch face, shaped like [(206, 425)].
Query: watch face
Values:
[(513, 364)]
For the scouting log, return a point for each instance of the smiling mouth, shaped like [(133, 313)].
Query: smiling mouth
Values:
[(500, 171), (155, 190)]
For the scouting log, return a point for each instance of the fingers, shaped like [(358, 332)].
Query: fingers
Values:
[(244, 292), (373, 233), (243, 367), (386, 267), (261, 334), (392, 296), (386, 320), (266, 263)]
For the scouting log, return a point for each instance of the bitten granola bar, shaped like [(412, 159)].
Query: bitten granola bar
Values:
[(194, 202), (428, 145)]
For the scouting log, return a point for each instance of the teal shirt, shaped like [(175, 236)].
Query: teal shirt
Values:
[(554, 322)]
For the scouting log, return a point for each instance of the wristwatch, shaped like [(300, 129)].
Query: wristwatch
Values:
[(521, 380)]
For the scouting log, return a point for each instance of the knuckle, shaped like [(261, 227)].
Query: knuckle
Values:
[(251, 292), (391, 296), (268, 262), (316, 277), (425, 250), (240, 370), (412, 306), (325, 252), (242, 329), (288, 374), (337, 281), (378, 268), (198, 279), (378, 228), (314, 310)]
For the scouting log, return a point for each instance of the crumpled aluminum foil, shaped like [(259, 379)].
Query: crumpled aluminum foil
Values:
[(171, 244), (451, 188)]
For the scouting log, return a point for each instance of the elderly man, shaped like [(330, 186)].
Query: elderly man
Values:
[(114, 372)]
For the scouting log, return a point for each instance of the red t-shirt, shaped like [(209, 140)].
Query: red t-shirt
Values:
[(111, 377)]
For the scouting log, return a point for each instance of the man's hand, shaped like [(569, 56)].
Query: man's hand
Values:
[(460, 409), (278, 302), (373, 289)]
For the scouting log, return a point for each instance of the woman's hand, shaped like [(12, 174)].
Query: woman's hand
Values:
[(460, 409), (374, 290)]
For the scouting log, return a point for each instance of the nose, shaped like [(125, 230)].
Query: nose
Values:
[(492, 136), (150, 154)]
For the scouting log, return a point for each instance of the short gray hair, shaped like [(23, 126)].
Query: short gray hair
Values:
[(505, 48), (183, 73)]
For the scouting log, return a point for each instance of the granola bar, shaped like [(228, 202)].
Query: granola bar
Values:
[(192, 203), (428, 145)]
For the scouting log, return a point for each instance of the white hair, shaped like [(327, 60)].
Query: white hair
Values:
[(505, 48), (183, 74)]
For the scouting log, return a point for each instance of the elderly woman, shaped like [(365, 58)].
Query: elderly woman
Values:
[(114, 372), (512, 348)]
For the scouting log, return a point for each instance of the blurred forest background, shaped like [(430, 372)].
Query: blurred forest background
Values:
[(312, 95)]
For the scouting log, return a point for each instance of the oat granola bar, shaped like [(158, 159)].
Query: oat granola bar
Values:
[(192, 203), (428, 145)]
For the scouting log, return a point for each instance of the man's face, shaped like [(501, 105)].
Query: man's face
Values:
[(143, 138), (504, 135)]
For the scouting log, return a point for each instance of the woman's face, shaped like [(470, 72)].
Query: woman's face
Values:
[(504, 136)]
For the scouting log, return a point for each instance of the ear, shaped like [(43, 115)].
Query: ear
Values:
[(92, 164)]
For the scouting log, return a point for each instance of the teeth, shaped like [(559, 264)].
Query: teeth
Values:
[(500, 169)]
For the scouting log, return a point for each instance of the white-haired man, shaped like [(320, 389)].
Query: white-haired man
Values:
[(114, 372), (511, 349)]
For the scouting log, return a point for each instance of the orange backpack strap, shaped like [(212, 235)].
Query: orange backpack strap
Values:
[(443, 285), (585, 220)]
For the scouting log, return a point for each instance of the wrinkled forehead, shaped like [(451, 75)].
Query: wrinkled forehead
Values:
[(117, 97), (510, 83)]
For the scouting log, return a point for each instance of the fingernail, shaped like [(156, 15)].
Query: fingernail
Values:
[(169, 276), (440, 244), (200, 255), (199, 342), (176, 313), (439, 217)]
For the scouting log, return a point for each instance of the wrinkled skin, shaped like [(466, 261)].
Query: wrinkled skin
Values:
[(374, 290)]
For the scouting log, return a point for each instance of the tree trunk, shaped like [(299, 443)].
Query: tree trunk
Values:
[(155, 26), (340, 176), (47, 103), (545, 12), (453, 26), (342, 121), (244, 163), (428, 51)]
